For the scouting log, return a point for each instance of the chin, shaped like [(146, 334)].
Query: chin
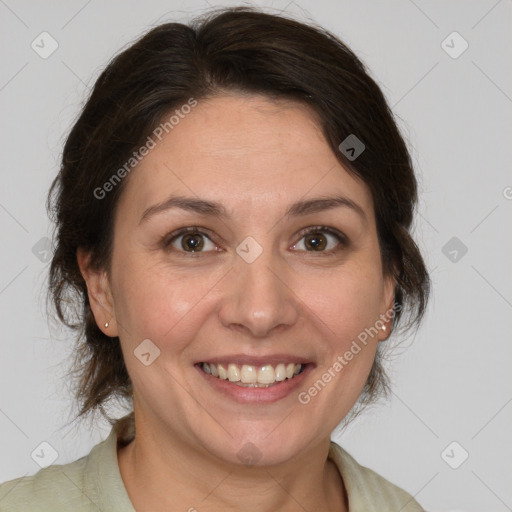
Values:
[(260, 449)]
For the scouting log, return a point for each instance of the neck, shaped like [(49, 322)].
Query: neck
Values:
[(174, 475)]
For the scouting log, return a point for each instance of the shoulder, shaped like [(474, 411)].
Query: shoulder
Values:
[(90, 483), (367, 490), (56, 488)]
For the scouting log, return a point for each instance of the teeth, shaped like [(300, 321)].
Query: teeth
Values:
[(266, 375), (252, 376), (280, 372), (233, 373), (223, 374), (249, 375)]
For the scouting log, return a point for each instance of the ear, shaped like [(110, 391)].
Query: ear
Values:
[(100, 294), (388, 300)]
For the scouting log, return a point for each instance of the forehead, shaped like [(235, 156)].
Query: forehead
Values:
[(248, 152)]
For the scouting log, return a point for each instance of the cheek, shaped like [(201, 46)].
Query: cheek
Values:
[(346, 307), (346, 302), (156, 302)]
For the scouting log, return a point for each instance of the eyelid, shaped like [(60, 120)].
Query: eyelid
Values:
[(327, 229), (168, 238), (341, 237)]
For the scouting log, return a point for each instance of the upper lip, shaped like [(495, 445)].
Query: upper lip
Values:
[(241, 359)]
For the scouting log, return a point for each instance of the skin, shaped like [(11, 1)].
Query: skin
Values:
[(255, 156)]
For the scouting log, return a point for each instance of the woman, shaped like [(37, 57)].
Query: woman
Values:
[(233, 213)]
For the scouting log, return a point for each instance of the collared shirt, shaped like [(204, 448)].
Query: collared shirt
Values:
[(94, 483)]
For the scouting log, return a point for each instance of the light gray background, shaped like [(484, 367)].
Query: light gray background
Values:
[(452, 382)]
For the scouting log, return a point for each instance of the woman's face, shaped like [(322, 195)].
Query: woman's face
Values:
[(268, 276)]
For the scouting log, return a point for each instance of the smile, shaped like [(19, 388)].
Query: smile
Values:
[(253, 376)]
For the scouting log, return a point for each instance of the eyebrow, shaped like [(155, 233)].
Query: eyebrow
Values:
[(217, 210)]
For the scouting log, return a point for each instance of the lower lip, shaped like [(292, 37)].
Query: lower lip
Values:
[(245, 395)]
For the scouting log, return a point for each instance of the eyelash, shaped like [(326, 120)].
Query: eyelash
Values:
[(167, 240)]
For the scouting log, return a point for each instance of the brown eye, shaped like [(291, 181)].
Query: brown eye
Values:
[(322, 240), (315, 241), (192, 242)]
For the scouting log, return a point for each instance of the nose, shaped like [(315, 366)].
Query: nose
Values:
[(258, 300)]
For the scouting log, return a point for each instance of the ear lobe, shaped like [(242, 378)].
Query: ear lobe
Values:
[(99, 293), (389, 302)]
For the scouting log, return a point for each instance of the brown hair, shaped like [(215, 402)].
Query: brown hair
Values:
[(236, 49)]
